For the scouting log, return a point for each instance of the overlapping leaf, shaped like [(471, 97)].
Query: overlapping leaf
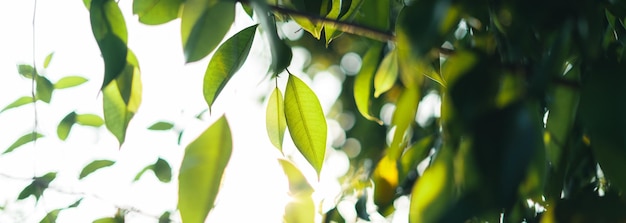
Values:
[(363, 82), (69, 81), (281, 52), (155, 12), (161, 169), (403, 118), (275, 118), (109, 30), (203, 26), (37, 187), (387, 74)]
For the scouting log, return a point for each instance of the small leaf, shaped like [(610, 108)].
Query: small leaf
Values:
[(306, 122), (109, 30), (386, 74), (93, 166), (138, 176), (44, 89), (161, 126), (363, 83), (226, 61), (298, 185), (28, 137), (26, 192), (89, 120), (25, 70), (203, 26), (37, 187), (403, 118), (201, 171), (19, 102), (46, 62), (75, 204), (108, 220), (69, 81), (162, 170), (155, 12), (64, 128), (275, 119), (51, 217), (165, 217)]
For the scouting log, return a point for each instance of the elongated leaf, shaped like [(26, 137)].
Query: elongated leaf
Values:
[(300, 210), (155, 12), (89, 120), (46, 62), (51, 217), (306, 121), (385, 177), (69, 81), (25, 70), (403, 118), (226, 61), (281, 52), (109, 30), (64, 128), (162, 170), (19, 102), (386, 74), (363, 82), (203, 26), (201, 171), (298, 185), (93, 166), (44, 89), (275, 119), (335, 10), (26, 138), (433, 192), (161, 126)]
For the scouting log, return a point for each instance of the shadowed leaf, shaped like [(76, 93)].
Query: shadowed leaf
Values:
[(203, 26), (93, 166)]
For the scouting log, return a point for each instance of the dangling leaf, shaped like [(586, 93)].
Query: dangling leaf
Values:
[(275, 119), (89, 120), (403, 118), (385, 178), (201, 171), (44, 89), (109, 30), (203, 26), (38, 186), (28, 137), (281, 52), (161, 126), (363, 83), (306, 122), (69, 81), (226, 61), (46, 62), (93, 166), (155, 12), (19, 102), (64, 128), (298, 185), (387, 74), (432, 194)]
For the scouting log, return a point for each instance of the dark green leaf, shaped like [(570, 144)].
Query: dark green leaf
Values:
[(281, 52), (109, 30), (44, 89), (64, 128), (75, 204), (203, 26), (201, 171), (403, 118), (19, 102), (69, 81), (46, 61), (161, 126), (155, 12), (28, 137), (93, 166), (89, 120), (165, 217), (226, 61), (162, 170), (37, 187)]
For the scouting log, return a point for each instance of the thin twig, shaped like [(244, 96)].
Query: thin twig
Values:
[(34, 76)]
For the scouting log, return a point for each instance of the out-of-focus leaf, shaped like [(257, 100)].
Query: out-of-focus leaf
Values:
[(387, 74), (275, 118), (44, 89), (201, 171), (69, 81), (374, 14), (46, 62), (281, 52), (37, 187), (333, 215), (403, 118), (385, 179), (148, 167), (203, 26), (25, 70), (108, 220), (93, 166), (19, 102), (561, 117), (155, 12), (75, 204), (161, 126), (298, 185), (51, 217), (300, 210), (165, 217), (306, 122), (28, 137), (64, 128), (109, 30), (89, 120), (226, 61), (414, 155), (433, 193), (162, 170), (363, 82)]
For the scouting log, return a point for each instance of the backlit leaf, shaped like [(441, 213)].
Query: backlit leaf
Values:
[(275, 118), (385, 179), (89, 120), (161, 126), (46, 62), (64, 128), (109, 30), (387, 74), (19, 102), (298, 185), (44, 89), (201, 171), (203, 26), (155, 12), (226, 61), (69, 81), (363, 82), (306, 121), (403, 118), (51, 217), (28, 137), (300, 209), (433, 192), (93, 166)]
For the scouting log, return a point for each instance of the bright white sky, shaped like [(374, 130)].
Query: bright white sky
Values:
[(254, 187)]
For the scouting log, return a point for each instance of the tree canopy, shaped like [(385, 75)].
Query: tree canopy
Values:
[(470, 111)]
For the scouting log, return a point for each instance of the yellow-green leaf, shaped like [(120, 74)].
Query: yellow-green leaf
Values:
[(64, 128), (403, 118), (364, 80), (89, 120), (155, 12), (161, 126), (44, 89), (433, 192), (226, 61), (306, 121), (275, 118), (298, 185), (109, 30), (386, 74), (28, 137), (93, 166), (69, 81), (203, 26), (19, 102), (46, 61), (300, 210), (201, 171)]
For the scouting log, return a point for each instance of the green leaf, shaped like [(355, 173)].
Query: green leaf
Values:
[(51, 217), (203, 26), (275, 118), (155, 12), (414, 155), (89, 120), (364, 80), (93, 166), (403, 118), (109, 30), (201, 171), (46, 62), (69, 81), (165, 217), (300, 210), (64, 128), (37, 187), (306, 122), (75, 204), (161, 126), (433, 192), (226, 61), (25, 70), (19, 102), (281, 52), (298, 185), (108, 220), (162, 170), (138, 176), (387, 74), (329, 31), (44, 89), (28, 137)]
